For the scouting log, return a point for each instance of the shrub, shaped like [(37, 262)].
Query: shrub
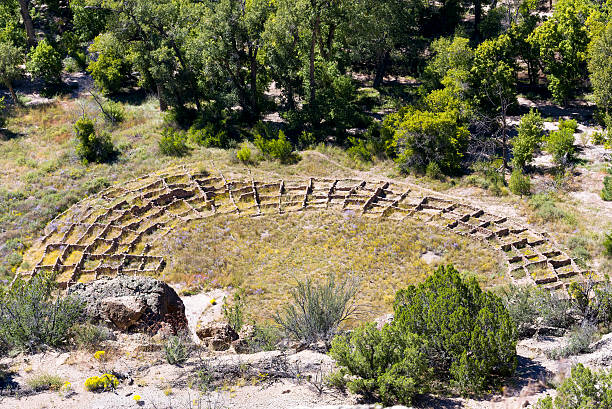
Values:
[(317, 310), (279, 148), (91, 145), (376, 141), (599, 138), (433, 171), (209, 136), (606, 192), (578, 342), (546, 208), (173, 143), (89, 336), (529, 136), (386, 364), (443, 329), (244, 154), (113, 111), (607, 243), (422, 137), (583, 389), (264, 338), (32, 315), (176, 351), (560, 144), (45, 62), (109, 66), (529, 306), (106, 382), (470, 334), (519, 184), (45, 382), (234, 313)]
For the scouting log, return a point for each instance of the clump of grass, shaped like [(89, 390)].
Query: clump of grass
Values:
[(89, 336), (176, 350), (44, 382), (317, 310)]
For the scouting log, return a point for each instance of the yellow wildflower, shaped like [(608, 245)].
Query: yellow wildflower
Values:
[(213, 301), (136, 398), (100, 355)]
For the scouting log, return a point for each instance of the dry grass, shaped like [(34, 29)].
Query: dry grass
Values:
[(266, 256)]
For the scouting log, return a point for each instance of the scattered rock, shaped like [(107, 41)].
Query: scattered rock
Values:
[(132, 302), (218, 336)]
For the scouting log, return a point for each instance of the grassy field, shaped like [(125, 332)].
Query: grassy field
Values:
[(265, 256)]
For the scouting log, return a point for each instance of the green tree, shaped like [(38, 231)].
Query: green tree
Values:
[(10, 60), (529, 135), (45, 62), (386, 364), (109, 66), (470, 334), (445, 329), (560, 144), (448, 54), (421, 137), (562, 41), (376, 30), (494, 83), (600, 68), (229, 47)]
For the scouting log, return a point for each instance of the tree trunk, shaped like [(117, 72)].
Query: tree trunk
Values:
[(254, 102), (27, 22), (477, 19), (9, 85), (163, 106), (381, 67), (313, 42)]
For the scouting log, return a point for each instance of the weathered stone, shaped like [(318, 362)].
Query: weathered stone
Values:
[(217, 335), (134, 302), (241, 346), (122, 311), (218, 344)]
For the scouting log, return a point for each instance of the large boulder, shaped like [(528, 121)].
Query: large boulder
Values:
[(132, 303)]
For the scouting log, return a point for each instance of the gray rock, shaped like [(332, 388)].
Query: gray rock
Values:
[(137, 303), (122, 311)]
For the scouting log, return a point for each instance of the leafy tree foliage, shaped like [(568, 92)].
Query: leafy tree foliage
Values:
[(560, 143), (445, 329), (421, 137), (10, 60), (600, 68), (562, 41), (45, 62), (529, 135), (519, 184), (448, 54), (110, 66)]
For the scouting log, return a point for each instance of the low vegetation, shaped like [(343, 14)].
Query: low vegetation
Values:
[(582, 389), (34, 316), (445, 332), (316, 310)]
